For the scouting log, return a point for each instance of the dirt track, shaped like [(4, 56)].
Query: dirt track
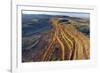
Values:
[(71, 44)]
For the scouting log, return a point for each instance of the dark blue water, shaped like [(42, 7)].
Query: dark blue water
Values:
[(40, 24)]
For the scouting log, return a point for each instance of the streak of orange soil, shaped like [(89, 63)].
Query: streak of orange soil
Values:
[(67, 35)]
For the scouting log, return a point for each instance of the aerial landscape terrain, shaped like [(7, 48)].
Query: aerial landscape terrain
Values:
[(55, 37)]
